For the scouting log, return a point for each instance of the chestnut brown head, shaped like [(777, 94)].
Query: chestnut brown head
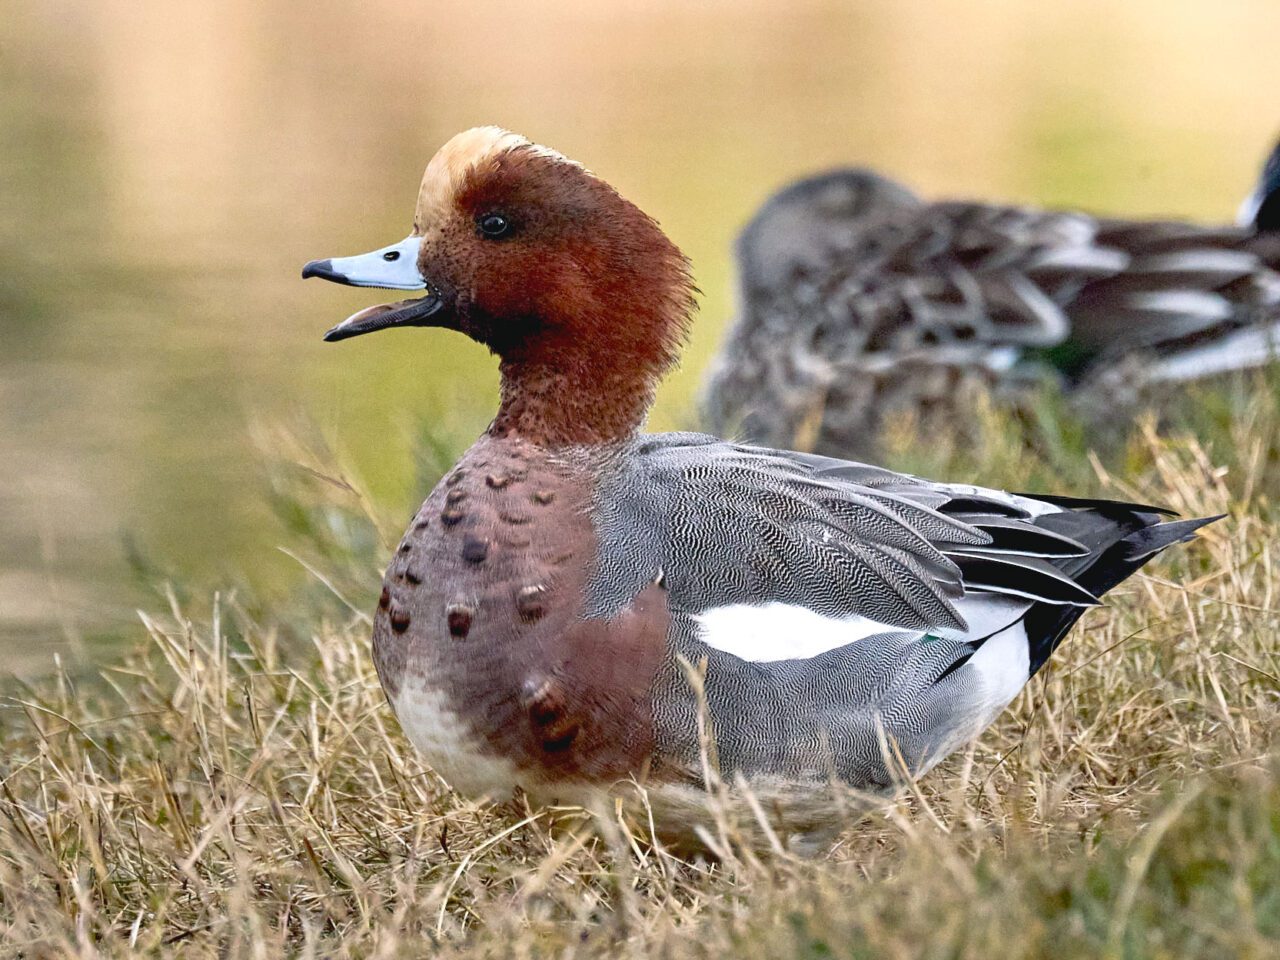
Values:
[(530, 254)]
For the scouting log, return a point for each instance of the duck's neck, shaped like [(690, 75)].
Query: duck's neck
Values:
[(559, 402)]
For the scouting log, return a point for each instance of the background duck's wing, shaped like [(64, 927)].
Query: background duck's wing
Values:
[(843, 304), (1181, 285), (930, 296), (950, 275)]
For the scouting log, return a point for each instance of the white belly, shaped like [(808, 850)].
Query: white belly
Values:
[(449, 748)]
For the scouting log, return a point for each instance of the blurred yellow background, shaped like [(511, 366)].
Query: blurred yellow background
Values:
[(166, 168)]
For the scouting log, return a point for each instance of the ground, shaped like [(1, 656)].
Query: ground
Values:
[(232, 784)]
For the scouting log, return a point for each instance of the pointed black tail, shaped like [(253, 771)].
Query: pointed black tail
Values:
[(1142, 535)]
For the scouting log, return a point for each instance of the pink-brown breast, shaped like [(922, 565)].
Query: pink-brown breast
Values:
[(479, 639)]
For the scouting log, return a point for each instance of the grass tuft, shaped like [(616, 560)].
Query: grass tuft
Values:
[(235, 786)]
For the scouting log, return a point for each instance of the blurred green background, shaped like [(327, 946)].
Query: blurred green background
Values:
[(165, 169)]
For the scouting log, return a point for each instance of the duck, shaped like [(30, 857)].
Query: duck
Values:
[(581, 607), (860, 302)]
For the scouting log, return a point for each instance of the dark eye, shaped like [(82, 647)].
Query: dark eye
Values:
[(494, 225), (391, 255)]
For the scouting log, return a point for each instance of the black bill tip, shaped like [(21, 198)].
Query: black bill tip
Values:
[(337, 333), (322, 269)]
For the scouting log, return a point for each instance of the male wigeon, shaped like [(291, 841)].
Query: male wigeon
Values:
[(858, 300), (575, 592)]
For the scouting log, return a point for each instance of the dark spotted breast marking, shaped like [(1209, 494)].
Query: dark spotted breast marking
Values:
[(545, 702), (497, 622), (459, 617), (475, 549), (384, 599), (455, 496), (531, 602), (399, 618)]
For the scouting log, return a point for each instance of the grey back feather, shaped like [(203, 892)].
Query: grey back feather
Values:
[(725, 524), (945, 568)]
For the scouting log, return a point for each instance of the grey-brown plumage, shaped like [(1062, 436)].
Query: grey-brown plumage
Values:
[(860, 300)]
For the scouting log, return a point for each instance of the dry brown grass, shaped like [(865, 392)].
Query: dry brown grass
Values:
[(237, 787)]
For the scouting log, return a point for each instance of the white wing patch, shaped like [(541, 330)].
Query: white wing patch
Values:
[(764, 633), (769, 632)]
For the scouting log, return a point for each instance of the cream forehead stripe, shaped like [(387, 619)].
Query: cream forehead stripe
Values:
[(464, 152)]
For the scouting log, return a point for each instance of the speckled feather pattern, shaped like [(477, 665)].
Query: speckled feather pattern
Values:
[(859, 300)]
